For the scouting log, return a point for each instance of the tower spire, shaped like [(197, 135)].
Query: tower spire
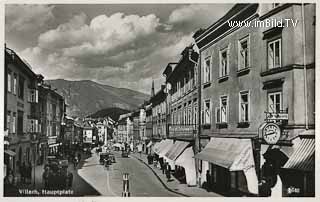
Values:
[(152, 89)]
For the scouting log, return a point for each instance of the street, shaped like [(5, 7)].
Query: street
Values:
[(142, 182)]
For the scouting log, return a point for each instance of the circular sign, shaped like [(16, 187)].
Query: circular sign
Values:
[(271, 133)]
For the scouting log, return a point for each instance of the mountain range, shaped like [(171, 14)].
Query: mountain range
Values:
[(86, 97)]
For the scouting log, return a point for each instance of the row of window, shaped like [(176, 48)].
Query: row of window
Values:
[(222, 112), (15, 84), (15, 87), (15, 122), (187, 84), (274, 58), (185, 115)]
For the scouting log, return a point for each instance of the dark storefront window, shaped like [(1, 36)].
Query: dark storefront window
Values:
[(20, 122)]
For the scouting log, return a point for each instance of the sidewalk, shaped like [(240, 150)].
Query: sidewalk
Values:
[(174, 185)]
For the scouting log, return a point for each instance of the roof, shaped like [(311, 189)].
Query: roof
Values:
[(14, 58)]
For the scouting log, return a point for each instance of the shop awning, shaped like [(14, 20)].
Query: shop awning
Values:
[(157, 146), (117, 145), (303, 158), (10, 152), (231, 153), (188, 163), (165, 147), (149, 144), (176, 149), (54, 145)]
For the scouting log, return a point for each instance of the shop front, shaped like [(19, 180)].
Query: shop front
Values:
[(298, 173), (230, 166)]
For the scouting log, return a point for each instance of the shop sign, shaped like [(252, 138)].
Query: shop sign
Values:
[(276, 116), (182, 130)]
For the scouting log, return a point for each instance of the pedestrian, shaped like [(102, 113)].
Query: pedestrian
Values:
[(168, 168), (70, 179), (23, 172), (9, 188), (45, 176), (79, 156), (29, 172), (208, 178), (75, 162)]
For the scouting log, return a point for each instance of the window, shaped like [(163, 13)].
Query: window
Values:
[(8, 121), (207, 112), (224, 109), (207, 70), (189, 114), (274, 102), (15, 84), (274, 54), (243, 54), (224, 63), (33, 95), (195, 75), (14, 122), (21, 87), (244, 106), (20, 123), (9, 81), (195, 113), (33, 125)]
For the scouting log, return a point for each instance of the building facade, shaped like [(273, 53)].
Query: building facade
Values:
[(22, 116), (254, 80)]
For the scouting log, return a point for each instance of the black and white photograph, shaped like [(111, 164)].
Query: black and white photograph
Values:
[(159, 99)]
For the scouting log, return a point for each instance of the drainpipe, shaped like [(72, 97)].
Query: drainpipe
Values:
[(305, 68)]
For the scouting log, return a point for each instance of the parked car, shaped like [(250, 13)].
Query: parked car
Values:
[(112, 158), (124, 153), (103, 156)]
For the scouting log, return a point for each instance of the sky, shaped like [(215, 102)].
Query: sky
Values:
[(122, 45)]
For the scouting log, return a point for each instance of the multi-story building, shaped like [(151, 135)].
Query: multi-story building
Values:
[(159, 114), (182, 113), (21, 112), (257, 99), (149, 128), (52, 110)]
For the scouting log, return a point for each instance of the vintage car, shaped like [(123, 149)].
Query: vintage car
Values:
[(124, 153), (112, 158), (103, 157), (56, 174)]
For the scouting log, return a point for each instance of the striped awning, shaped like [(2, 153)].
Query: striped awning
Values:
[(176, 149), (231, 153), (9, 152), (149, 144), (303, 158), (165, 147)]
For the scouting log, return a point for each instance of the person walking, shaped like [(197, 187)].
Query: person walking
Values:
[(208, 178), (45, 176), (168, 169), (23, 173), (75, 162)]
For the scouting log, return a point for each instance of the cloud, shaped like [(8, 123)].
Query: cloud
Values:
[(197, 16), (20, 17), (122, 50)]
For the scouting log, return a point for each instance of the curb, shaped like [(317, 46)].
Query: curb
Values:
[(165, 186)]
